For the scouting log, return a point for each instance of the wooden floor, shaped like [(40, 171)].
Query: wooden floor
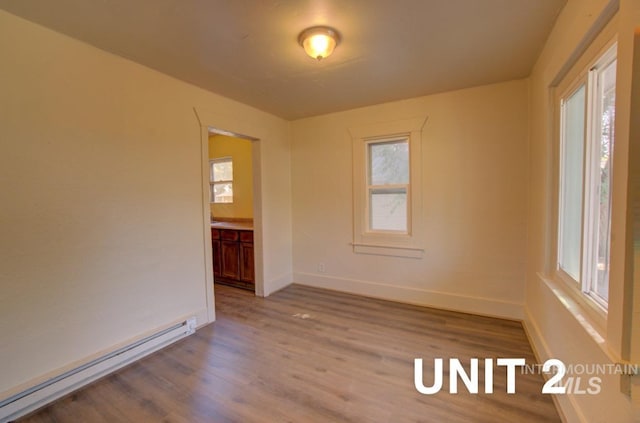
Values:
[(309, 355)]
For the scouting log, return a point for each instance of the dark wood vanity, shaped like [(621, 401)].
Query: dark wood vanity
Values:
[(233, 256)]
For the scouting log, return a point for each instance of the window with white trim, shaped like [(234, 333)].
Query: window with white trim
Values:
[(587, 114), (221, 180), (387, 192)]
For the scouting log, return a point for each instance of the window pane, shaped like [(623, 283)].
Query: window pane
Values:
[(223, 171), (604, 138), (570, 219), (388, 210), (389, 162), (222, 193)]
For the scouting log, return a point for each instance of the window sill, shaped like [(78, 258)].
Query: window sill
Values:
[(589, 316), (383, 250)]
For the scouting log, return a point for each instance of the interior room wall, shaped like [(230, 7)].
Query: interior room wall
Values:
[(557, 332), (102, 200), (474, 161), (240, 152)]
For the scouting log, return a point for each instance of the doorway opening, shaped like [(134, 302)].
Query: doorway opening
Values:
[(231, 207), (232, 211)]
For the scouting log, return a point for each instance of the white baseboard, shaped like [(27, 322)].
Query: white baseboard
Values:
[(567, 408), (410, 295), (40, 394), (277, 284)]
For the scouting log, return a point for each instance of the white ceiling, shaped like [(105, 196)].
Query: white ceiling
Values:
[(247, 49)]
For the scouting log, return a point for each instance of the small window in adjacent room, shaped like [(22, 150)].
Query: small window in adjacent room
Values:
[(587, 114), (221, 180)]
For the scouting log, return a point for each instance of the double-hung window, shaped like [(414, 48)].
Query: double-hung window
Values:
[(388, 185), (221, 180), (587, 114), (386, 188)]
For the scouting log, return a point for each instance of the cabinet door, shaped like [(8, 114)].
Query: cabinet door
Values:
[(230, 257), (246, 263), (215, 249), (217, 265)]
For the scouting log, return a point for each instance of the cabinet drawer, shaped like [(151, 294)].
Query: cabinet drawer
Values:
[(246, 236), (227, 235), (215, 234)]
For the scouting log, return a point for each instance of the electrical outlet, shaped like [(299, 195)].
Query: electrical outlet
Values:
[(191, 325), (321, 268)]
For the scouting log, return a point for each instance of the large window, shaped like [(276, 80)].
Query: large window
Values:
[(571, 186), (587, 114), (386, 188), (221, 180)]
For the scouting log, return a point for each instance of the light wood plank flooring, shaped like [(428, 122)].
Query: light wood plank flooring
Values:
[(310, 355)]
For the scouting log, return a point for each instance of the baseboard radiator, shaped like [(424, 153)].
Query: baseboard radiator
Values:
[(39, 395)]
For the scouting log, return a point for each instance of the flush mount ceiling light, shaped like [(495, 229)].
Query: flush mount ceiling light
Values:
[(319, 41)]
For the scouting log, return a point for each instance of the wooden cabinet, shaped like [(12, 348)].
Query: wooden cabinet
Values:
[(215, 245), (246, 263), (233, 257), (230, 258)]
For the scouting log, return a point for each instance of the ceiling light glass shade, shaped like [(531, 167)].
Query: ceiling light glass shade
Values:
[(319, 41)]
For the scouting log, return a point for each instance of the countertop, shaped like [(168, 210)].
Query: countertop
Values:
[(238, 226)]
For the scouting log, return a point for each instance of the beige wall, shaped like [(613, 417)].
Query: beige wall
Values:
[(474, 163), (240, 151), (102, 214), (558, 328), (102, 200)]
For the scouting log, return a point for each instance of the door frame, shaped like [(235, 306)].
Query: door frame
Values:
[(209, 124)]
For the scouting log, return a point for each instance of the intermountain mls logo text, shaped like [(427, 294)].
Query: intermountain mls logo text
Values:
[(571, 379)]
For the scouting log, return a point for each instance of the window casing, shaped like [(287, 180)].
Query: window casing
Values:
[(221, 180), (587, 114), (386, 188)]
